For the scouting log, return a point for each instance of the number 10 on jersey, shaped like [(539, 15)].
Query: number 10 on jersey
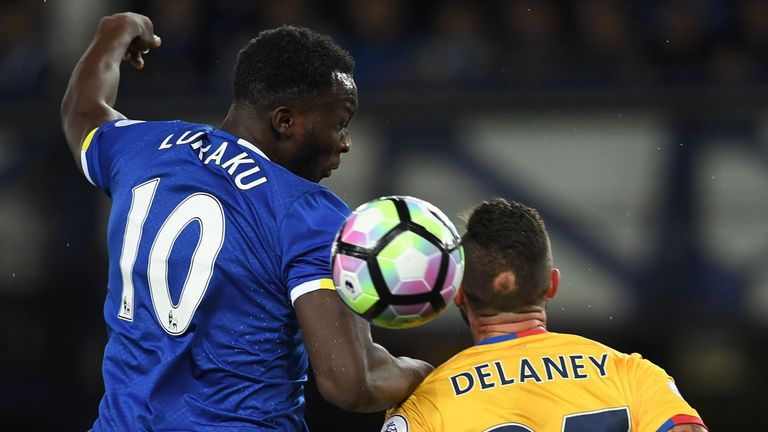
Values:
[(202, 208)]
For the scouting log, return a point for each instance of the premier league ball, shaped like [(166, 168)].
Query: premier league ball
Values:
[(397, 261)]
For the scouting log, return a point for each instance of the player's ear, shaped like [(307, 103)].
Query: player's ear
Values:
[(459, 299), (282, 121), (554, 282)]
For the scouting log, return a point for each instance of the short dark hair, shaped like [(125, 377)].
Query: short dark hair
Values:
[(286, 64), (503, 236)]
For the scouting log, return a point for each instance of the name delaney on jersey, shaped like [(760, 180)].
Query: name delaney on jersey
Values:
[(489, 375), (244, 178)]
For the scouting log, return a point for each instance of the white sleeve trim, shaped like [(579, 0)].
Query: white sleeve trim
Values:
[(84, 164), (306, 287)]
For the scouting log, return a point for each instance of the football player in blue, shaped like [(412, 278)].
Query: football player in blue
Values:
[(220, 290)]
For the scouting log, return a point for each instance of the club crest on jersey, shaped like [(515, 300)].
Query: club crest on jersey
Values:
[(396, 423)]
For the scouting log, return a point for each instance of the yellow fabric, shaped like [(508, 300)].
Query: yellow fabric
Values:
[(88, 139), (327, 284), (523, 387)]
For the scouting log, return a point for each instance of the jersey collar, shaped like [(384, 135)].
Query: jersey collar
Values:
[(510, 336), (247, 144)]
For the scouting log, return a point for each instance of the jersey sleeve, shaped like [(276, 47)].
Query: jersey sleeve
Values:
[(100, 149), (657, 403), (307, 233)]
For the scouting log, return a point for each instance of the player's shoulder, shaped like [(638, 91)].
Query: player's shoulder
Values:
[(308, 197), (581, 342), (139, 131), (458, 362), (287, 191), (298, 194), (624, 361), (546, 342), (128, 125)]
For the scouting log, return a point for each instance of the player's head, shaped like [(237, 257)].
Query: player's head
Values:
[(299, 83), (508, 259)]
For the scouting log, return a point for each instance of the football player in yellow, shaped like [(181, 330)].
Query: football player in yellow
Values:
[(518, 377)]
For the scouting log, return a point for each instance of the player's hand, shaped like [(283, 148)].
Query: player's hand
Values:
[(138, 47), (137, 28)]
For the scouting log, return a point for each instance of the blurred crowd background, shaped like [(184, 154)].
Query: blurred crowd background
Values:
[(512, 44), (638, 128)]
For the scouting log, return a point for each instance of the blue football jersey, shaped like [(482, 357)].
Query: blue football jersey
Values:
[(209, 243)]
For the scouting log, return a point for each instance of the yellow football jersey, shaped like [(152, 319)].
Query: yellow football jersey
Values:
[(537, 381)]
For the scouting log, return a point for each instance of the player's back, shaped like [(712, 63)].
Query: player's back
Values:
[(540, 381), (209, 243)]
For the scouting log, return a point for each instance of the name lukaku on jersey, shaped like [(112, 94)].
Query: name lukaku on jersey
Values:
[(546, 368), (243, 168)]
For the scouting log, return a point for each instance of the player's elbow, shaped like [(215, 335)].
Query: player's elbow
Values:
[(78, 118), (336, 395), (74, 117), (81, 112), (74, 109), (69, 122), (347, 389)]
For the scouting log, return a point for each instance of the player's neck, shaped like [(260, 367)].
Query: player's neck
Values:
[(484, 327), (242, 125)]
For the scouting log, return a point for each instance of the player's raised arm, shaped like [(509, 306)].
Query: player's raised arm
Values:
[(352, 371), (92, 90)]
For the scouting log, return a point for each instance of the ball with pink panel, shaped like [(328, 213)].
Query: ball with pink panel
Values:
[(397, 261)]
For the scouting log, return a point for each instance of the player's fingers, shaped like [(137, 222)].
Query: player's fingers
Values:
[(143, 44), (137, 60), (154, 44)]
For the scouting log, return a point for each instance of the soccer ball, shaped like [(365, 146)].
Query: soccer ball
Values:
[(397, 261)]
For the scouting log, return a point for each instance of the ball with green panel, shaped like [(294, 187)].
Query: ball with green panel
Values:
[(397, 261)]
